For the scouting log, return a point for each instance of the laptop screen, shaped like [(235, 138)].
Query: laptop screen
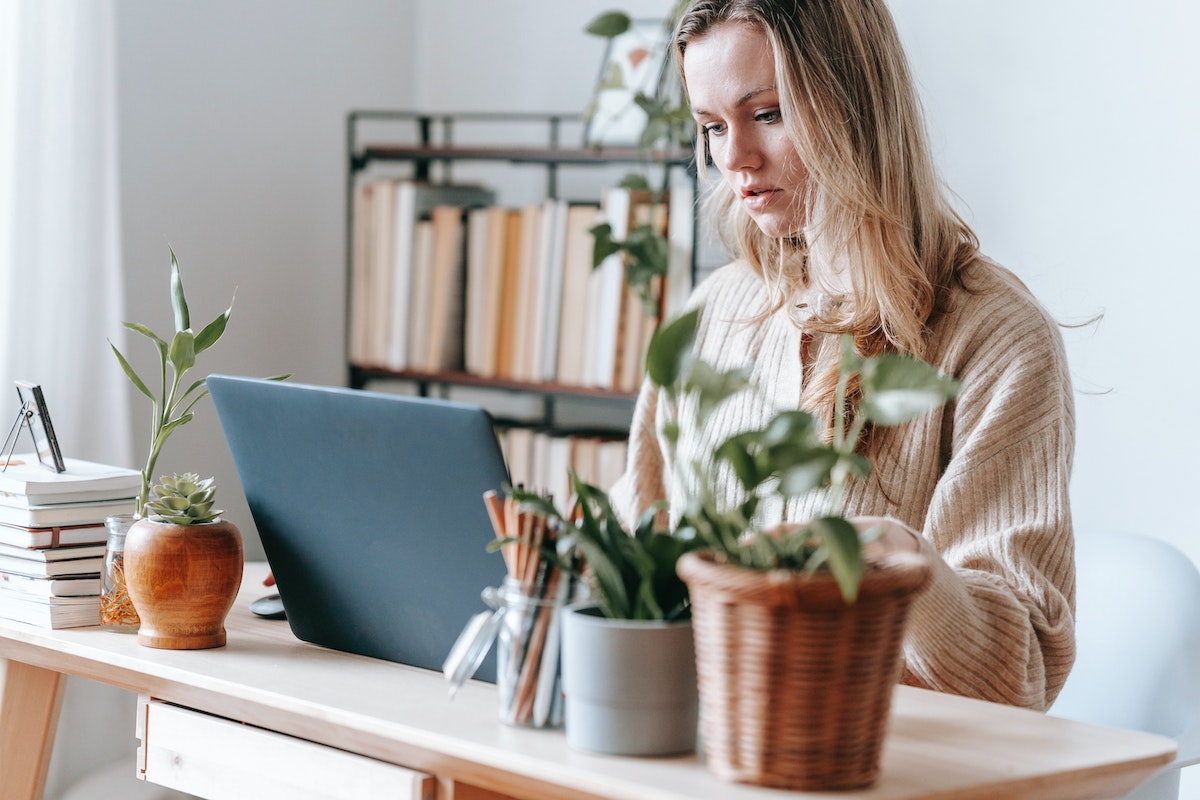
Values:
[(370, 511)]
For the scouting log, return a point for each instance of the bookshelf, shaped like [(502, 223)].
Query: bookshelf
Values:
[(523, 159)]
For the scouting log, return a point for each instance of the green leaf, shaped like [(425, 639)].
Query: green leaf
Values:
[(670, 348), (605, 245), (149, 334), (213, 330), (790, 426), (183, 351), (849, 362), (844, 553), (609, 24), (165, 431), (612, 78), (897, 388), (807, 473), (713, 387), (635, 181), (857, 465), (178, 301), (736, 451), (656, 130), (133, 377)]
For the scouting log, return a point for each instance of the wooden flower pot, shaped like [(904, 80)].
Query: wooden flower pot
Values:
[(182, 580), (795, 684)]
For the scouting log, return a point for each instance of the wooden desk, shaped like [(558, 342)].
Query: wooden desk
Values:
[(939, 746)]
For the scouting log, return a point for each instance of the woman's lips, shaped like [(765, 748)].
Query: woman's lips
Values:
[(757, 199)]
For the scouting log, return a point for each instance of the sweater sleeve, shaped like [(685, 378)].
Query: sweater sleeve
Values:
[(997, 621), (643, 483)]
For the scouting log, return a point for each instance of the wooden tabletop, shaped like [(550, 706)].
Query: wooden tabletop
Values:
[(939, 746)]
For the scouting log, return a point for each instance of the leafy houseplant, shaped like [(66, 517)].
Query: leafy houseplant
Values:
[(787, 455), (631, 575), (628, 671), (204, 555), (183, 565), (792, 619), (172, 404)]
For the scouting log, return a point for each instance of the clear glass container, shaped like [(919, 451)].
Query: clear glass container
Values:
[(528, 661), (116, 609)]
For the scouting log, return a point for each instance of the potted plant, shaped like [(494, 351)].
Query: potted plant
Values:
[(171, 407), (668, 128), (183, 565), (628, 670), (797, 633)]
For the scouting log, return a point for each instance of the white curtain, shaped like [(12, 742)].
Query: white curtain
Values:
[(60, 252), (61, 283)]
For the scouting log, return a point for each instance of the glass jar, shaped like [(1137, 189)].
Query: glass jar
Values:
[(116, 609), (528, 661)]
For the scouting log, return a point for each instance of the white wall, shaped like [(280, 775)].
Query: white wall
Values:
[(232, 120), (1069, 130)]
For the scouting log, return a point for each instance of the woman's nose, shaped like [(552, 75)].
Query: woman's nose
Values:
[(740, 151)]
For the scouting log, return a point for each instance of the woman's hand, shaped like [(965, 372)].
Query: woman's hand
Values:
[(893, 537)]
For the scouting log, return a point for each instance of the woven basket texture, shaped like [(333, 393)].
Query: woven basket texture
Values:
[(795, 684)]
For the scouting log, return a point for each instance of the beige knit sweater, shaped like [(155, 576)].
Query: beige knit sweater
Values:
[(983, 480)]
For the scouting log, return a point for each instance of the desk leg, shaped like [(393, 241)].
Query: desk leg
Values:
[(30, 699)]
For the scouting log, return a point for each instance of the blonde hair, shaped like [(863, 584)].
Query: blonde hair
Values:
[(876, 209)]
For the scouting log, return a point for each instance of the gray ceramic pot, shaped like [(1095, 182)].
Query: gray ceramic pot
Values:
[(630, 685)]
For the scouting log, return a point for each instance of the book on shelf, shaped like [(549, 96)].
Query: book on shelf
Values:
[(444, 350), (410, 264), (606, 288), (577, 270), (525, 278), (540, 460), (380, 272), (551, 267), (54, 536), (681, 217), (50, 587), (510, 290), (422, 288), (486, 230), (26, 478), (360, 273), (50, 612), (46, 516)]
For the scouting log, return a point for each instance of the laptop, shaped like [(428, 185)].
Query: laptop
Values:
[(370, 511)]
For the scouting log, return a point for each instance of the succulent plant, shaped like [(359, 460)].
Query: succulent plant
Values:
[(183, 500)]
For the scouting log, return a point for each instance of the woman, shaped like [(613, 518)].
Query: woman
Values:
[(830, 200)]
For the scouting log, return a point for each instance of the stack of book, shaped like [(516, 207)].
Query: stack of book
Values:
[(52, 537), (445, 280), (542, 460)]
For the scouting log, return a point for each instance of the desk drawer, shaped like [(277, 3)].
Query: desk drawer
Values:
[(216, 758)]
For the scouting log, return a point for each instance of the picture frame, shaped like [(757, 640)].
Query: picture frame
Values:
[(37, 419), (634, 62)]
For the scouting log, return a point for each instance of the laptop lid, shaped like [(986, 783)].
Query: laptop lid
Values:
[(370, 511)]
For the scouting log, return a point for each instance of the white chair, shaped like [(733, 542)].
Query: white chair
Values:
[(1138, 646)]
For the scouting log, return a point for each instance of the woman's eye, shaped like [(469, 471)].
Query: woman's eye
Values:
[(714, 129), (768, 116)]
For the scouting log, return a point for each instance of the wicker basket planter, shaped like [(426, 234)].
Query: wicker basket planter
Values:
[(795, 684)]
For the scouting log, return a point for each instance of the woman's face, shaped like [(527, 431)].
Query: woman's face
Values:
[(730, 77)]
